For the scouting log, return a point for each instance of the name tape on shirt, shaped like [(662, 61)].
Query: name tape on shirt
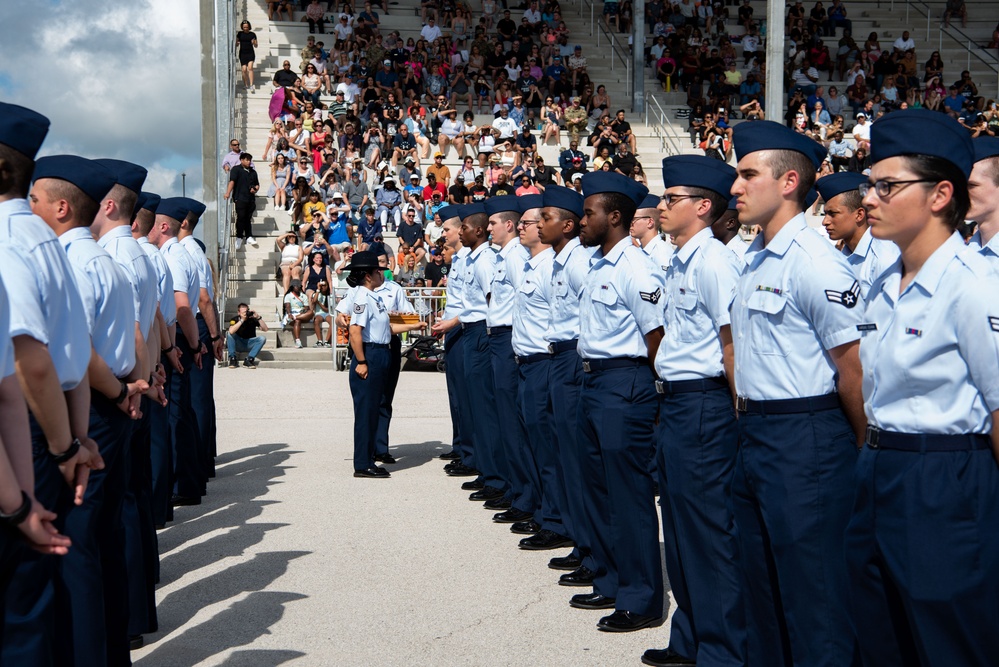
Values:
[(867, 327), (849, 298), (651, 297)]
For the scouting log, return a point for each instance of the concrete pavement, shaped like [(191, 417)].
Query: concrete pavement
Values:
[(290, 560)]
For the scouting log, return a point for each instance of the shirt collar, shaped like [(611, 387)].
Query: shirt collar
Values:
[(991, 247), (75, 234), (693, 245), (780, 243), (169, 242), (935, 267), (510, 246), (478, 251), (563, 255), (615, 253), (863, 247), (535, 261), (119, 232), (15, 207)]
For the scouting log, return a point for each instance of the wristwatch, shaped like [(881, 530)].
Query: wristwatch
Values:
[(362, 363), (217, 338), (123, 394), (74, 447), (17, 517)]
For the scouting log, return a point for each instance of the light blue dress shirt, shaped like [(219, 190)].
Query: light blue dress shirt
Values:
[(44, 301), (931, 354), (182, 270), (509, 270), (370, 313), (478, 276), (700, 288), (870, 260), (660, 251), (532, 313), (569, 269), (139, 272), (164, 281), (797, 298), (6, 344), (107, 298), (990, 251), (738, 247), (201, 265), (455, 285), (621, 301), (391, 293)]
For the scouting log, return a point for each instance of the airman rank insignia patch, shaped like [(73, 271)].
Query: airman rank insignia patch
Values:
[(358, 308), (849, 298), (651, 297)]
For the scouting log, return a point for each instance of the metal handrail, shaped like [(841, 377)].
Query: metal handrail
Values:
[(664, 128), (617, 52), (228, 123)]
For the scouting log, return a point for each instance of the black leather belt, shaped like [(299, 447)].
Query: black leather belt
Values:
[(465, 326), (377, 346), (595, 365), (787, 406), (494, 331), (925, 442), (689, 386), (562, 346), (531, 358)]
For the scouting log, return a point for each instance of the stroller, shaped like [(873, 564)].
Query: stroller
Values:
[(424, 353)]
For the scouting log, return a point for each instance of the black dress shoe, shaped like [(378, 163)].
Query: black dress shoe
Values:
[(581, 577), (625, 621), (665, 657), (372, 473), (545, 540), (592, 601), (486, 493), (178, 501), (526, 527), (385, 458), (449, 456), (474, 485), (569, 562), (462, 470), (135, 642), (501, 503), (512, 515)]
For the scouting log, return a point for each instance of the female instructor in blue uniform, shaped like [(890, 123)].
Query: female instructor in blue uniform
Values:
[(370, 332)]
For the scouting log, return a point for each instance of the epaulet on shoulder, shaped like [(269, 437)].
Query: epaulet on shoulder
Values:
[(978, 265), (814, 244)]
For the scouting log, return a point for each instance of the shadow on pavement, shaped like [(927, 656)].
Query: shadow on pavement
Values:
[(236, 497), (416, 454)]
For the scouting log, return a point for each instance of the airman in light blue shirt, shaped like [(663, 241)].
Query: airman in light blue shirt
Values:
[(455, 284), (478, 274), (369, 312), (569, 269), (507, 275), (983, 191)]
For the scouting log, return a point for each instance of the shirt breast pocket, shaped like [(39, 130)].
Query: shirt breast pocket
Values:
[(605, 313), (691, 322), (766, 314)]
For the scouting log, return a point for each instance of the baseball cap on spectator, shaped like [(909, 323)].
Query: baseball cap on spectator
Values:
[(129, 175), (599, 182), (861, 114), (567, 199), (767, 135), (438, 154), (93, 179), (386, 62), (337, 195), (576, 177), (940, 136), (389, 179), (22, 129), (578, 48), (459, 179), (836, 184), (414, 177), (410, 160)]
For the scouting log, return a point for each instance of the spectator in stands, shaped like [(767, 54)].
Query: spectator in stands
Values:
[(243, 187), (837, 18), (280, 181), (231, 159), (862, 132), (388, 201), (411, 231), (321, 303), (284, 77), (968, 90), (860, 163), (292, 257), (243, 336), (953, 104), (246, 42), (839, 152), (296, 311), (314, 16), (458, 193), (806, 77), (903, 44), (368, 229)]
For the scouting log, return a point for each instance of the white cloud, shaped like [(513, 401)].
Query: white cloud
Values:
[(116, 79)]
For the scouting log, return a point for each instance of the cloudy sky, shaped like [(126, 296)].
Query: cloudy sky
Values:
[(117, 79)]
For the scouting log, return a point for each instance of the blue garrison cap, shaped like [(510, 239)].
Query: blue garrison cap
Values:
[(173, 207), (567, 199), (194, 206), (651, 201), (599, 182), (93, 179), (22, 129), (732, 203), (766, 135), (836, 184), (985, 147), (811, 197), (474, 208), (149, 201), (527, 202), (132, 176), (698, 171), (451, 211), (502, 204), (922, 132)]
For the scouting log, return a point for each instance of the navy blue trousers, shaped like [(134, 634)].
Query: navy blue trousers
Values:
[(37, 617), (141, 549), (388, 395), (11, 547), (698, 443), (565, 382), (458, 399), (923, 556), (617, 413), (792, 493), (481, 398), (162, 422), (367, 397), (516, 467), (189, 477), (534, 381), (203, 403), (94, 568)]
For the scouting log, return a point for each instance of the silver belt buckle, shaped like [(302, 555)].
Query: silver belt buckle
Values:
[(551, 348), (586, 367), (660, 387), (872, 436), (489, 331), (741, 404)]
